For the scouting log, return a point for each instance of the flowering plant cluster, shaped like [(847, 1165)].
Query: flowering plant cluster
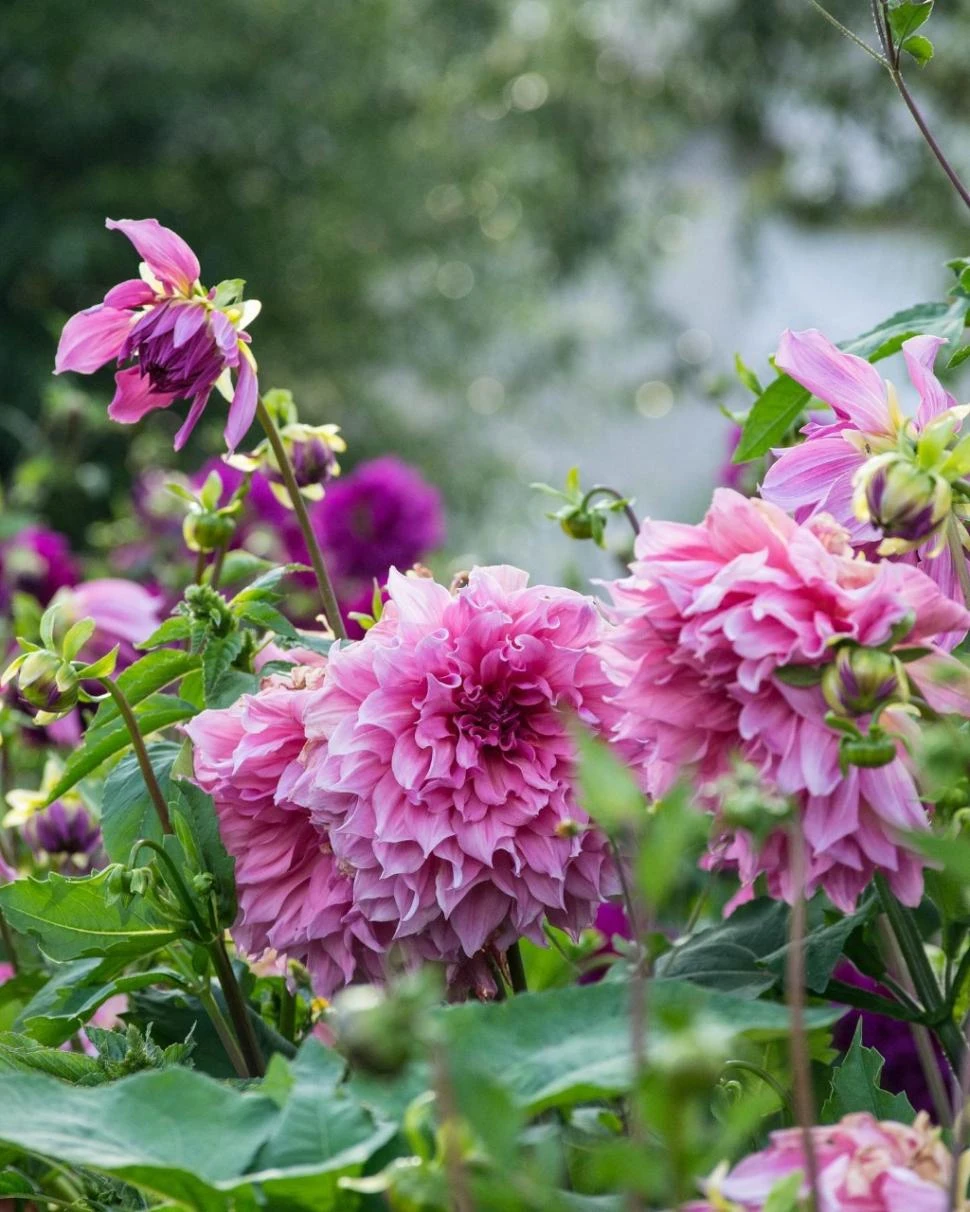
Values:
[(491, 894)]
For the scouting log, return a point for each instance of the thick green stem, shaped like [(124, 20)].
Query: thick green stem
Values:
[(141, 753), (513, 958), (331, 609), (238, 1012), (939, 1016)]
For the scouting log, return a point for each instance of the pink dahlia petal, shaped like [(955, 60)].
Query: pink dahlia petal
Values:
[(818, 475), (849, 385), (135, 397), (243, 406), (192, 419), (166, 254), (132, 293), (920, 354), (91, 338)]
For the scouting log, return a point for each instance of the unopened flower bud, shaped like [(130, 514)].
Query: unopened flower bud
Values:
[(906, 502), (579, 523), (876, 749), (208, 531), (48, 682), (861, 679)]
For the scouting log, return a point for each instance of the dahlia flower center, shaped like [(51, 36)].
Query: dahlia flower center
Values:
[(183, 369), (489, 717)]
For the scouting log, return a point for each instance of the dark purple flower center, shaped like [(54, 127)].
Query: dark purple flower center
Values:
[(183, 370)]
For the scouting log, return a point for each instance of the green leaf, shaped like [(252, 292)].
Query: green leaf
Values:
[(747, 376), (240, 564), (192, 805), (156, 712), (171, 631), (959, 357), (567, 1046), (145, 677), (824, 946), (920, 48), (906, 18), (774, 412), (217, 659), (799, 675), (267, 617), (784, 1195), (855, 1087), (70, 918), (20, 1054), (728, 956), (127, 810), (608, 790)]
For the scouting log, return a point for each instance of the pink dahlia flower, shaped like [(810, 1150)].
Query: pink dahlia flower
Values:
[(820, 474), (864, 1165), (440, 762), (294, 897), (174, 339), (710, 615)]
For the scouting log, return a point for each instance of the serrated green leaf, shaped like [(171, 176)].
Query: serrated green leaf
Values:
[(127, 810), (156, 712), (21, 1054), (197, 810), (71, 919), (217, 659), (267, 617), (171, 631), (855, 1087), (145, 677)]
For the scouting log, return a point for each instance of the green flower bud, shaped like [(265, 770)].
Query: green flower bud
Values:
[(208, 530), (861, 679), (908, 503), (876, 749), (48, 682)]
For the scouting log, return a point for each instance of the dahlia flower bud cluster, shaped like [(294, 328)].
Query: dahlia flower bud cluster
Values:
[(409, 793), (909, 505)]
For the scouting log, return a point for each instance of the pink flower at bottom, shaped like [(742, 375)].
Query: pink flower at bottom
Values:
[(441, 764), (863, 1166), (293, 895), (709, 616)]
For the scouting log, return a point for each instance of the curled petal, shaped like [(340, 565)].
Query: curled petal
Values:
[(166, 254), (848, 384), (920, 354), (190, 422), (243, 406), (803, 477), (133, 293), (91, 338), (134, 397)]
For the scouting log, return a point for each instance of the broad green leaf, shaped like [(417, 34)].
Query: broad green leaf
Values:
[(855, 1087), (217, 659), (240, 563), (156, 712), (608, 790), (145, 677), (906, 18), (824, 945), (192, 805), (774, 412), (920, 48), (728, 956), (70, 918), (266, 616), (171, 631), (127, 810)]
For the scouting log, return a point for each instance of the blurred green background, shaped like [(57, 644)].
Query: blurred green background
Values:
[(494, 237)]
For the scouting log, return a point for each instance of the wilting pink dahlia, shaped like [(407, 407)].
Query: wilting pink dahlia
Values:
[(852, 467), (440, 762), (293, 894), (710, 616), (174, 339), (864, 1165)]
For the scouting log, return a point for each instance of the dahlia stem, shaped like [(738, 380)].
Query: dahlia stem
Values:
[(513, 957), (939, 1017), (795, 995), (224, 1032), (200, 563), (287, 1016), (238, 1010), (331, 609), (141, 753), (954, 541), (604, 490)]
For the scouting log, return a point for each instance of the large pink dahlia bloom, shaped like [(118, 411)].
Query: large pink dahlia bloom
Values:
[(709, 616), (819, 475), (293, 896), (864, 1165), (175, 339), (441, 764)]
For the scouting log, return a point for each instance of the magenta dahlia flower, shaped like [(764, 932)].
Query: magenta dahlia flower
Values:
[(709, 618), (37, 561), (864, 1165), (441, 764), (822, 474), (174, 339), (294, 896)]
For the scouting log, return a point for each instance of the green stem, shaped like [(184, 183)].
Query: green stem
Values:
[(224, 1031), (217, 563), (939, 1016), (178, 884), (861, 999), (287, 1018), (795, 996), (241, 1021), (141, 753), (513, 958), (200, 563), (604, 490), (331, 609)]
